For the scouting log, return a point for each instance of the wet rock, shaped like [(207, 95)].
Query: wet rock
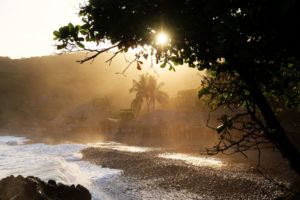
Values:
[(32, 188)]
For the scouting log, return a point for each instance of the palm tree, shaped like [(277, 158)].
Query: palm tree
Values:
[(155, 93), (147, 89), (140, 88)]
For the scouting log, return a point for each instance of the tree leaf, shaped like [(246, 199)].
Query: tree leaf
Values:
[(71, 27), (56, 33), (163, 65), (138, 66), (80, 44), (213, 74)]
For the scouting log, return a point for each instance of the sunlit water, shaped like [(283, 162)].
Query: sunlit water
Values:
[(57, 162)]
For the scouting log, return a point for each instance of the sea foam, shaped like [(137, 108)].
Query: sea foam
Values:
[(58, 162)]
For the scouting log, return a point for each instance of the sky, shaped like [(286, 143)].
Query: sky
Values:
[(27, 25)]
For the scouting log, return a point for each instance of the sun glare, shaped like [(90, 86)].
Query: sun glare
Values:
[(161, 38)]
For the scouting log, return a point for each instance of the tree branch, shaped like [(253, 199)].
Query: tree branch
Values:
[(95, 55)]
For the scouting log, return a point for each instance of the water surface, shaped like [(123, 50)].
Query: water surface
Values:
[(57, 162)]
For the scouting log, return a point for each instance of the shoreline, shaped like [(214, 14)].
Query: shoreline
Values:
[(201, 182), (145, 173)]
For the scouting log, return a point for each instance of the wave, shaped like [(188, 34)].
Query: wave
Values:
[(57, 162)]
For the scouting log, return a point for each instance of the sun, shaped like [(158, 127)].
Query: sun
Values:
[(162, 38)]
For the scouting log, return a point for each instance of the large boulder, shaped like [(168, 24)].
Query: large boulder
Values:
[(32, 188)]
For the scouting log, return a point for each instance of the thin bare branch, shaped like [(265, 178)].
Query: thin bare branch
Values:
[(111, 58), (124, 70), (96, 54)]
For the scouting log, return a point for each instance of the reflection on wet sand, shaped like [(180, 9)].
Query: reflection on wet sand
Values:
[(194, 160)]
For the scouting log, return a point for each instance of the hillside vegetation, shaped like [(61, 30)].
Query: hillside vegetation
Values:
[(38, 89)]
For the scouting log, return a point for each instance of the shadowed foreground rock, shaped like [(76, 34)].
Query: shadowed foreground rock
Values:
[(32, 188)]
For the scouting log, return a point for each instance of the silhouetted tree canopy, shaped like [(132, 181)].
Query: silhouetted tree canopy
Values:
[(251, 48)]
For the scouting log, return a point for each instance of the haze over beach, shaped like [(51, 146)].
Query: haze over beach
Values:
[(134, 100)]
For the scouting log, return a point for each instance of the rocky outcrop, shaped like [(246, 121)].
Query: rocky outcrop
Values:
[(32, 188)]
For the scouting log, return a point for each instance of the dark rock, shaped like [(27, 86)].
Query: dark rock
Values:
[(51, 182), (32, 188)]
